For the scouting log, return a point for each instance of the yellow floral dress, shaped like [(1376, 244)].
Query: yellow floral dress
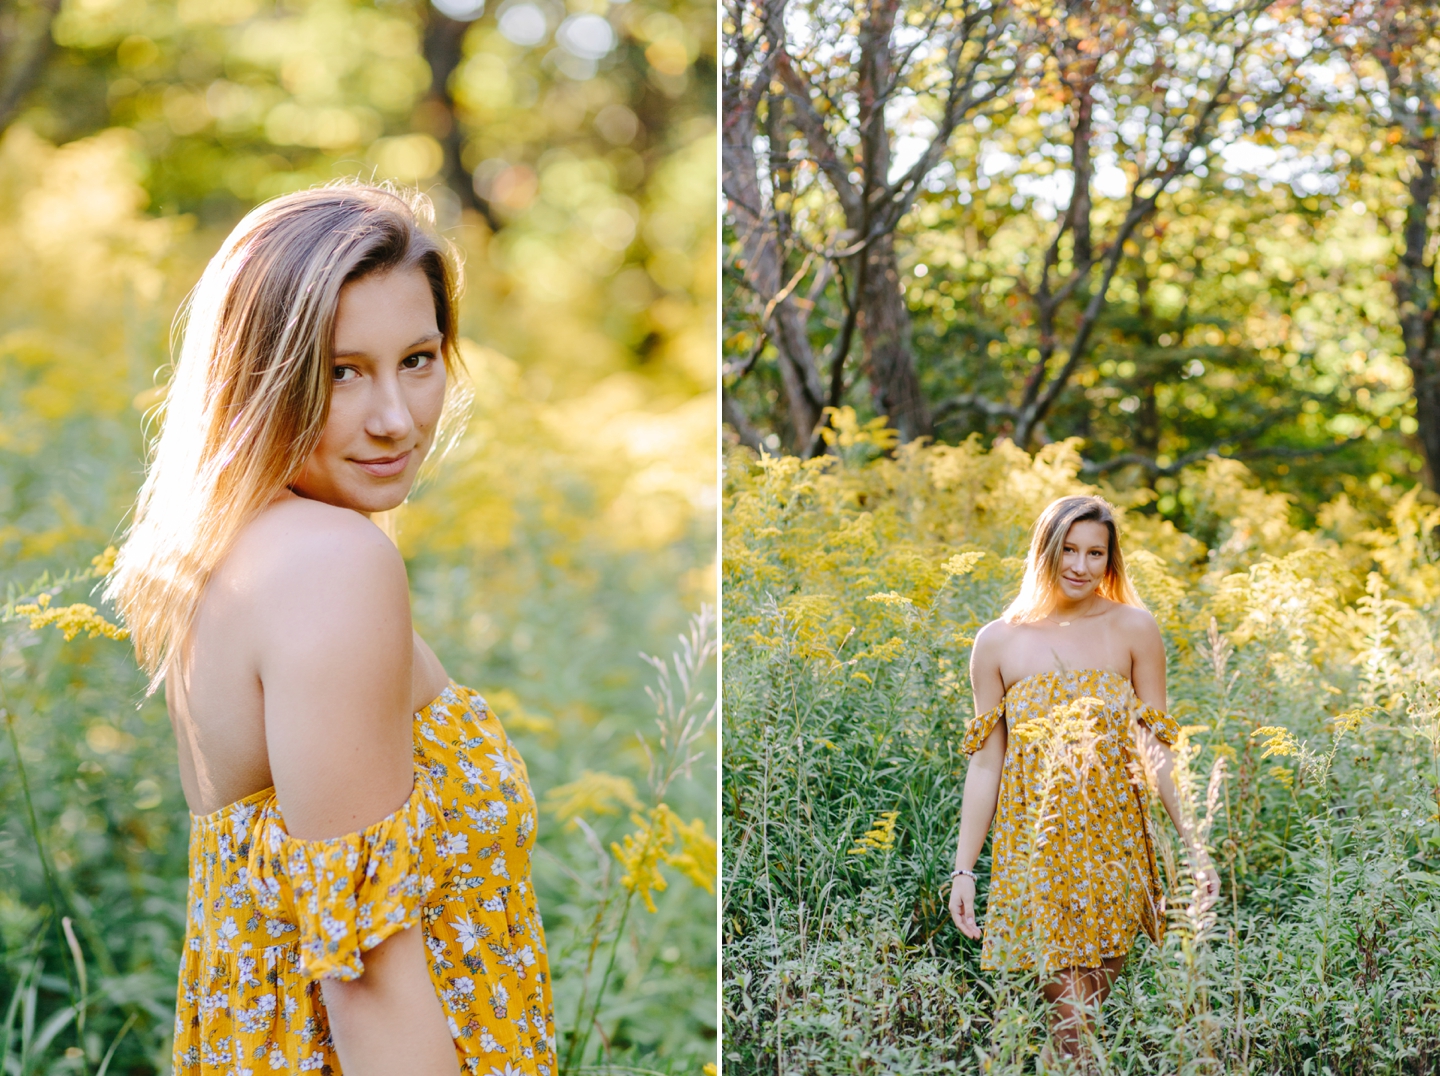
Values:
[(1080, 892), (270, 915)]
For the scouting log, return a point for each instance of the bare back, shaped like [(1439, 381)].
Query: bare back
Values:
[(217, 708)]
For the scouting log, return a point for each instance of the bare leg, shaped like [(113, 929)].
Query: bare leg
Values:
[(1075, 993)]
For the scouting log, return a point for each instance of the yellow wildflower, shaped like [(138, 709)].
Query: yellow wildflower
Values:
[(1029, 731), (961, 563), (644, 851), (1350, 720), (591, 793), (889, 597), (70, 619), (881, 835), (709, 1069), (1283, 775), (845, 430), (696, 858), (651, 844), (1279, 741), (102, 564), (889, 650)]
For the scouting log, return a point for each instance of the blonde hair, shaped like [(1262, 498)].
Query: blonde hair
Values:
[(1040, 590), (250, 391)]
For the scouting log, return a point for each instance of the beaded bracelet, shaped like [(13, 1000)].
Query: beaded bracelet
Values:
[(961, 870)]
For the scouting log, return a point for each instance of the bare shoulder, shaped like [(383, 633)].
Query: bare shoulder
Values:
[(304, 565), (1135, 623), (302, 543), (992, 639)]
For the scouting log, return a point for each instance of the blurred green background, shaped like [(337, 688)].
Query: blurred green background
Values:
[(570, 153)]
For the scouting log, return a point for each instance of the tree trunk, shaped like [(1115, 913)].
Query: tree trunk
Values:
[(444, 48), (1083, 105), (885, 330), (884, 318), (1415, 299), (763, 269), (24, 62)]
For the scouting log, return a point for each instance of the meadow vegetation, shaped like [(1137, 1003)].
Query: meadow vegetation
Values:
[(569, 530), (1302, 665)]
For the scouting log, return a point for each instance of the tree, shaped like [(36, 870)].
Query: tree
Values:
[(1393, 49), (816, 86), (1161, 89), (25, 46)]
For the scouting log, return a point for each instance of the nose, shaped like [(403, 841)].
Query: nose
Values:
[(389, 418)]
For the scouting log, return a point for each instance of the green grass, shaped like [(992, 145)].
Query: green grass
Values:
[(1323, 954)]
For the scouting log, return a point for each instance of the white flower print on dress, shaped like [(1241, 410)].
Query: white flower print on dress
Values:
[(304, 910)]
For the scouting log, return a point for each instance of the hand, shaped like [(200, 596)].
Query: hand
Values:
[(962, 905), (1207, 881)]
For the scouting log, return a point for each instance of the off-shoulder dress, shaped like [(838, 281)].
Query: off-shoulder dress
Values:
[(270, 915), (1073, 876)]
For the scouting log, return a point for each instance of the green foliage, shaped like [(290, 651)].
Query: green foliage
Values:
[(853, 592), (571, 528), (1251, 313)]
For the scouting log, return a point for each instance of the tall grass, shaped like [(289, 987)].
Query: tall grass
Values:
[(1301, 663)]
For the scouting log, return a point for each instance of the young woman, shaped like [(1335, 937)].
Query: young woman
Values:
[(361, 828), (1067, 901)]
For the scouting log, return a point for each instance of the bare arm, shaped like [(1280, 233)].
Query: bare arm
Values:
[(1148, 676), (334, 652), (982, 781)]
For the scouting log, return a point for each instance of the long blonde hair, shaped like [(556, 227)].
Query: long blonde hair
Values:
[(1040, 590), (250, 391)]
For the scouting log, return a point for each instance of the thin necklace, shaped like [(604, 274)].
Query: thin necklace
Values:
[(1067, 623)]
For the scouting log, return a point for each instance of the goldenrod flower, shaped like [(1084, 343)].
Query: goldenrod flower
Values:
[(845, 430), (961, 563), (642, 853), (650, 845), (696, 858), (591, 793), (1283, 775), (1350, 720), (70, 619), (889, 597), (103, 563), (1279, 741), (881, 835)]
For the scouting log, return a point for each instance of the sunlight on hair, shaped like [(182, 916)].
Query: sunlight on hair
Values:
[(250, 392)]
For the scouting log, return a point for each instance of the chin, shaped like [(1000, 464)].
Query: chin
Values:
[(366, 500), (380, 500)]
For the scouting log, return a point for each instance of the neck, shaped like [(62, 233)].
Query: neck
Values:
[(1065, 608)]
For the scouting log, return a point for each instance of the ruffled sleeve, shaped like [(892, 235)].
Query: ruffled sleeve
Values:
[(1165, 727), (979, 728), (348, 894)]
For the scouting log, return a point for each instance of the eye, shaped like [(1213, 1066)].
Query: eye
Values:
[(341, 371), (418, 361)]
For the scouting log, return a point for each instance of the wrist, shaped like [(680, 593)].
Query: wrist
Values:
[(962, 872)]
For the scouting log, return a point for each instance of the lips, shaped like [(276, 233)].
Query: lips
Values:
[(384, 466)]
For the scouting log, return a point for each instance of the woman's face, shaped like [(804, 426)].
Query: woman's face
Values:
[(387, 396), (1083, 559)]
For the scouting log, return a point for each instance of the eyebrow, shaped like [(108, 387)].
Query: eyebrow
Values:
[(423, 340)]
